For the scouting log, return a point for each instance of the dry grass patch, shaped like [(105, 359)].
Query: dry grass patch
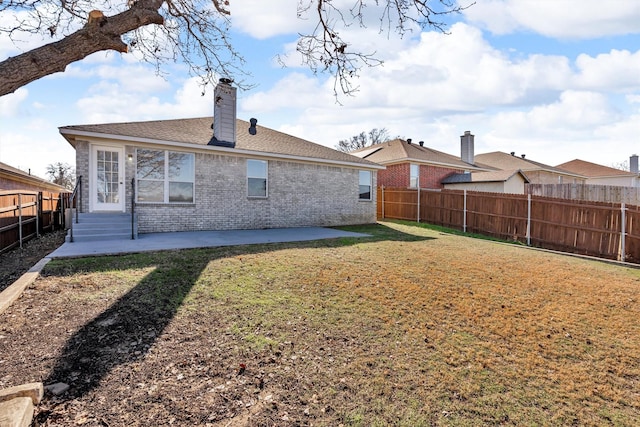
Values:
[(409, 327)]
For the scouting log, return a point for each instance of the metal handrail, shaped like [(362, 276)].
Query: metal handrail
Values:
[(75, 196), (133, 207)]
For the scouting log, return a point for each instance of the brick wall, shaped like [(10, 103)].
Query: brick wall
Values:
[(394, 176), (299, 195), (399, 175), (430, 176)]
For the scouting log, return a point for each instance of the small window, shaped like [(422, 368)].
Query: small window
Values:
[(365, 185), (256, 178), (414, 178)]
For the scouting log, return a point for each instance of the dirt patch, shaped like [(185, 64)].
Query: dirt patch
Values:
[(15, 262), (408, 328)]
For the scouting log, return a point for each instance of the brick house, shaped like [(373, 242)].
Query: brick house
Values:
[(219, 173), (409, 165)]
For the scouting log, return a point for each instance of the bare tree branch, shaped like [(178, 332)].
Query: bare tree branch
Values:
[(363, 139), (197, 32)]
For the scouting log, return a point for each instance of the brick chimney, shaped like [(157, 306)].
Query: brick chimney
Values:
[(633, 163), (224, 114), (466, 147)]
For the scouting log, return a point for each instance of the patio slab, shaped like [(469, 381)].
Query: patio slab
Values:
[(197, 239)]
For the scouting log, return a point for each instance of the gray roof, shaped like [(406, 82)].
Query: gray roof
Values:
[(198, 131), (497, 176)]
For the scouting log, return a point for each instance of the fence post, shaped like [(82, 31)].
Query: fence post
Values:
[(20, 219), (623, 221), (418, 212), (382, 197), (464, 212), (38, 212), (529, 219)]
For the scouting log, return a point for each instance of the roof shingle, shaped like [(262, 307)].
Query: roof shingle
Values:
[(199, 131), (593, 170), (399, 150)]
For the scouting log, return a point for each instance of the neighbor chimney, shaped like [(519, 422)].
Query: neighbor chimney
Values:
[(466, 147), (633, 163), (224, 114)]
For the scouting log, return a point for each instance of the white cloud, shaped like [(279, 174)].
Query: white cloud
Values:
[(263, 19), (43, 143), (108, 102), (616, 70), (441, 85), (565, 19), (10, 104)]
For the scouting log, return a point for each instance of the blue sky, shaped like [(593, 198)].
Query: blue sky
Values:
[(553, 79)]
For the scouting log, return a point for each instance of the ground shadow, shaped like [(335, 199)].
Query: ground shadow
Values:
[(127, 330)]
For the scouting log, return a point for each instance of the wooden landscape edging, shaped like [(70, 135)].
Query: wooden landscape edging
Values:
[(605, 230)]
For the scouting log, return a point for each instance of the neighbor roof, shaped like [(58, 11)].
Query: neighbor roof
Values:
[(593, 170), (509, 162), (398, 151), (198, 131), (494, 176), (21, 176)]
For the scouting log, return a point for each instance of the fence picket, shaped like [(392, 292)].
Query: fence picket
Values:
[(607, 230)]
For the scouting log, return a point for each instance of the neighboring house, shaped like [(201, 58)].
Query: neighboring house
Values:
[(409, 165), (511, 182), (15, 179), (536, 172), (602, 175), (237, 176)]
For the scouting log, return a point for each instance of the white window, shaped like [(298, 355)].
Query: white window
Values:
[(164, 176), (256, 178), (365, 185), (414, 176)]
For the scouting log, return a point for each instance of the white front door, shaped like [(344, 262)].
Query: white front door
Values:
[(107, 189)]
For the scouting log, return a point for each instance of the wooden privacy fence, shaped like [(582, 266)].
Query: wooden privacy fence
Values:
[(592, 192), (606, 230), (27, 214)]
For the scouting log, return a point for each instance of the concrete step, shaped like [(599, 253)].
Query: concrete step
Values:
[(102, 226)]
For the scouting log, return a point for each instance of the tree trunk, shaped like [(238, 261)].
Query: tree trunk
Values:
[(97, 35)]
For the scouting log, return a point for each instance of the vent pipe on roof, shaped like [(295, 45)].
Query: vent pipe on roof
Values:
[(633, 164), (513, 153), (467, 147), (224, 114), (409, 141), (522, 155), (421, 143)]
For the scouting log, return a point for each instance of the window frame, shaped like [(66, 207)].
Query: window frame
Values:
[(265, 178), (414, 177), (370, 185), (166, 178)]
